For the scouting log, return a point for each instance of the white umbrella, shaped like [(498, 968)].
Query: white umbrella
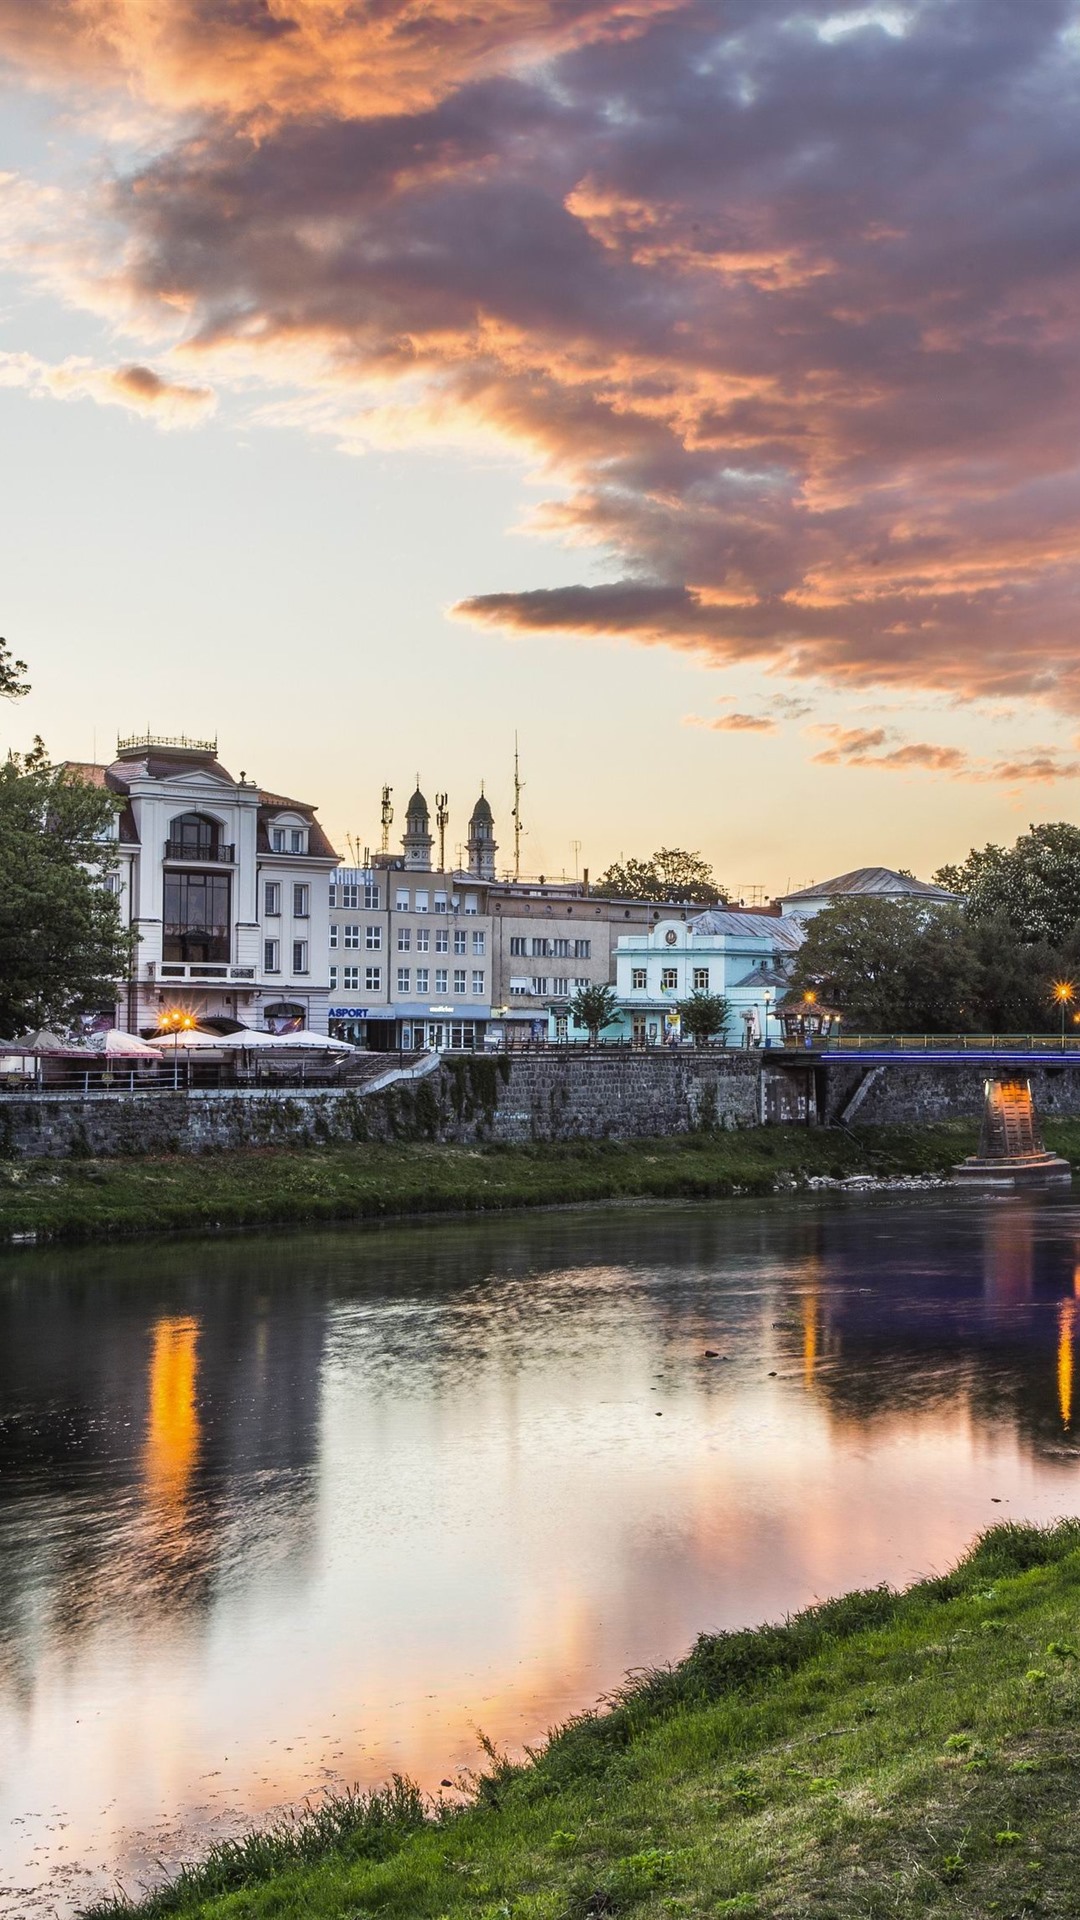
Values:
[(301, 1038), (43, 1040), (186, 1038), (125, 1045)]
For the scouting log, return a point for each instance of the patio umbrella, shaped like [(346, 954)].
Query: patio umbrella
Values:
[(121, 1045), (285, 1042), (187, 1039), (44, 1040)]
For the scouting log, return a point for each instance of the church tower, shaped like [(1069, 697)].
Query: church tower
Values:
[(417, 840), (481, 842)]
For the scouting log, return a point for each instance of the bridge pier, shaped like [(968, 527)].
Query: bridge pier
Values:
[(1011, 1151)]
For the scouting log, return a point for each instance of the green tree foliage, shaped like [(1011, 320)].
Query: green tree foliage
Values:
[(891, 966), (62, 946), (669, 874), (1035, 884), (704, 1015), (595, 1008), (12, 674)]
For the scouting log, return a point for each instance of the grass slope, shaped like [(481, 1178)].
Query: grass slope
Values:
[(86, 1199), (881, 1755)]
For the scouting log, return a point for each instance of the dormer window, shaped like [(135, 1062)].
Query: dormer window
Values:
[(288, 839)]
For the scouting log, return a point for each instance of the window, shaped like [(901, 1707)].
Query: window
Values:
[(350, 979), (460, 940), (333, 894), (440, 903), (560, 987), (669, 979), (539, 985), (372, 979), (403, 979), (277, 839), (442, 940), (470, 903), (373, 939), (518, 944), (520, 986), (404, 939), (301, 899), (701, 979), (350, 895), (299, 956), (422, 980), (352, 934), (271, 956), (193, 837), (296, 840), (582, 949), (422, 900), (478, 982), (272, 898), (401, 900), (561, 949), (459, 979), (541, 949), (423, 939), (196, 917), (462, 1035), (371, 896), (333, 978), (334, 931), (440, 979), (637, 978), (580, 981), (479, 942)]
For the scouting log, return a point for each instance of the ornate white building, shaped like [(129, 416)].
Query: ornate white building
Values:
[(226, 885)]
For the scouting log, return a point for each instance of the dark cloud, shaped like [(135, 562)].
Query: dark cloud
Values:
[(787, 311)]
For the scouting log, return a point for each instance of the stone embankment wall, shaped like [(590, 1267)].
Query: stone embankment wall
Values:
[(914, 1095), (580, 1096)]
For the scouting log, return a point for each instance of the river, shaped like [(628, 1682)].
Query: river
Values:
[(279, 1513)]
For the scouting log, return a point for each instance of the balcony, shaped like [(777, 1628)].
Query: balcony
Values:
[(223, 854)]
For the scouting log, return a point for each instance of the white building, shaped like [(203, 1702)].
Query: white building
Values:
[(742, 957), (225, 884), (876, 883)]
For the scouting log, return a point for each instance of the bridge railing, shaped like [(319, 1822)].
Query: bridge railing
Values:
[(951, 1043)]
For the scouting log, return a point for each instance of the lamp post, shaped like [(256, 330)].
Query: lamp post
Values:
[(1064, 994), (175, 1021), (768, 999)]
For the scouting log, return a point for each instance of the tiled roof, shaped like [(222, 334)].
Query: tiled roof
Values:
[(871, 880), (777, 930)]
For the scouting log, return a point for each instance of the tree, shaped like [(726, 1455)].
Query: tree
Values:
[(1035, 884), (891, 965), (704, 1015), (594, 1007), (12, 683), (63, 949), (669, 874)]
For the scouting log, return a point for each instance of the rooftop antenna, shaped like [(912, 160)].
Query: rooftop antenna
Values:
[(576, 849), (515, 813), (441, 818), (387, 818)]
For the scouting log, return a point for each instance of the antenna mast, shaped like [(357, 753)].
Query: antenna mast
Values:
[(515, 814), (441, 819), (387, 818)]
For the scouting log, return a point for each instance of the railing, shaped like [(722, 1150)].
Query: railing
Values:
[(165, 740), (949, 1043), (201, 853)]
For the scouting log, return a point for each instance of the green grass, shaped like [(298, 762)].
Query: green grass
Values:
[(881, 1755), (82, 1199)]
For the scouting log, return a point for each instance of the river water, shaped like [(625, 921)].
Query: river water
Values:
[(283, 1513)]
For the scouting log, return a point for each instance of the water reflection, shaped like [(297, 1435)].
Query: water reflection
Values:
[(274, 1513)]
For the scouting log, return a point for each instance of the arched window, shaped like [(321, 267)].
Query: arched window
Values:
[(193, 834)]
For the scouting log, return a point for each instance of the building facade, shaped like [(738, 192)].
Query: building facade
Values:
[(863, 883), (743, 957), (225, 885)]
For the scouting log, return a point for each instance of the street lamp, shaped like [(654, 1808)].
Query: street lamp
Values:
[(175, 1021), (1064, 994), (768, 998)]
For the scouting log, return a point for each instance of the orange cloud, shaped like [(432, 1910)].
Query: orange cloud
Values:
[(170, 402), (734, 723)]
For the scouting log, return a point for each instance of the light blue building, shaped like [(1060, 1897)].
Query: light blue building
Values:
[(745, 957)]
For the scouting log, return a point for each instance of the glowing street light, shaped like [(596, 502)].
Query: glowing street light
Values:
[(1064, 994), (175, 1021)]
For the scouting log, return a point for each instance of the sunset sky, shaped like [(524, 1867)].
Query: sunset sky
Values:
[(691, 387)]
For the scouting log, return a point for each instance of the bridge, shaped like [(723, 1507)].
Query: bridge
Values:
[(831, 1076)]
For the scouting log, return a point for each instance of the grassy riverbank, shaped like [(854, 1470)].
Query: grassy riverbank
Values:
[(881, 1755), (88, 1199)]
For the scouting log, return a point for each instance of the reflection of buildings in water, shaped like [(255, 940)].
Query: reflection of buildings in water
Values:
[(986, 1321)]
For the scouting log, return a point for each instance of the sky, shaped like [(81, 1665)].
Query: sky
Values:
[(690, 389)]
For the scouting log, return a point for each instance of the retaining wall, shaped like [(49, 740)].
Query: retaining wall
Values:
[(573, 1096)]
